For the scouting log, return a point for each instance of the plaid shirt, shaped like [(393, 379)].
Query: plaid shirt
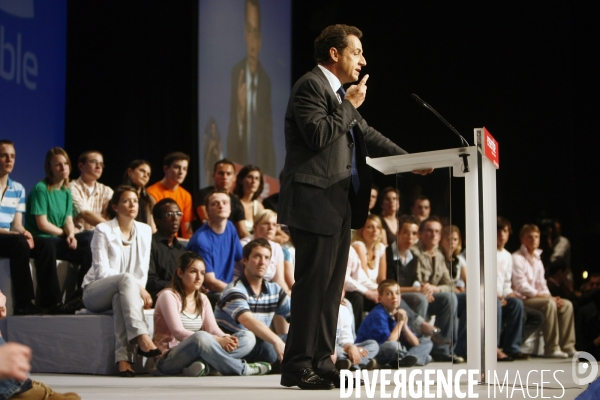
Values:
[(83, 201)]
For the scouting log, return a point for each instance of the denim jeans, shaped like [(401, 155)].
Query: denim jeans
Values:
[(444, 308), (264, 351), (370, 345), (391, 352), (10, 387), (202, 346)]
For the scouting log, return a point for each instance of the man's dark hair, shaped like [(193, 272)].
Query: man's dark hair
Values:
[(260, 242), (419, 197), (213, 191), (256, 4), (224, 161), (433, 218), (6, 141), (503, 223), (407, 219), (157, 211), (333, 36), (175, 156), (83, 157)]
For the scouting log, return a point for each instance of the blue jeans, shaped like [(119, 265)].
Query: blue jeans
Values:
[(264, 351), (202, 346), (460, 340), (390, 352), (10, 387), (444, 308), (512, 315), (370, 345), (417, 302)]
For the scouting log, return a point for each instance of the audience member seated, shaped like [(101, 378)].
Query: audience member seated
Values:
[(387, 324), (451, 246), (50, 214), (510, 308), (359, 288), (14, 367), (402, 265), (218, 244), (351, 355), (117, 279), (249, 185), (437, 286), (165, 246), (138, 176), (556, 248), (367, 243), (251, 303), (270, 202), (223, 180), (186, 331), (390, 206), (373, 198), (265, 227), (18, 245), (175, 166), (421, 208), (587, 318), (90, 197), (530, 285)]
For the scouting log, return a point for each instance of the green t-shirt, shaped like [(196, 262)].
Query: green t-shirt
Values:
[(56, 205)]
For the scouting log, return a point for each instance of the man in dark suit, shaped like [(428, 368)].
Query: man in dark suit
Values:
[(250, 135), (325, 191)]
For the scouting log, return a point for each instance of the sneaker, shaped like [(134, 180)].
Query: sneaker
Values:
[(556, 354), (408, 361), (196, 369), (373, 364), (343, 364), (39, 391), (258, 368)]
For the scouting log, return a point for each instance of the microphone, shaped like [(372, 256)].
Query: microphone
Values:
[(462, 139)]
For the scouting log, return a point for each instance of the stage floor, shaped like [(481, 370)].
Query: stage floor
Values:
[(148, 387)]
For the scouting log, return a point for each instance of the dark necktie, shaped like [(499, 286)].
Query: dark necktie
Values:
[(355, 178)]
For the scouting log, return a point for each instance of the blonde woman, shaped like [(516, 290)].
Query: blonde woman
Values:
[(367, 242)]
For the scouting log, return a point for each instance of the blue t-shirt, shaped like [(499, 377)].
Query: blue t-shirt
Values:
[(13, 201), (219, 250), (378, 326)]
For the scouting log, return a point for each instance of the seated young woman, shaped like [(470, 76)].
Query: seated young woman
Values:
[(138, 175), (186, 330), (249, 185), (117, 279)]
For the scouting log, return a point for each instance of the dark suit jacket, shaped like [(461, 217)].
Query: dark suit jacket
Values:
[(316, 179), (237, 148)]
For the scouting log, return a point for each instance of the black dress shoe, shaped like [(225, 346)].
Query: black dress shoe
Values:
[(306, 378), (72, 306), (29, 309), (127, 374), (149, 354), (334, 377)]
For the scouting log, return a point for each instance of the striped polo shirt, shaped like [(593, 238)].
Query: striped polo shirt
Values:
[(238, 298), (13, 200)]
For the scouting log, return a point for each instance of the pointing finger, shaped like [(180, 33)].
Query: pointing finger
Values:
[(363, 81)]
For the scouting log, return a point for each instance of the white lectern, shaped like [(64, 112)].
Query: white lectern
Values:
[(480, 232)]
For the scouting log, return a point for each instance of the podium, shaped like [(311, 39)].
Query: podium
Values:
[(480, 235)]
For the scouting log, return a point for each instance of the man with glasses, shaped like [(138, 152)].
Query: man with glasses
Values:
[(165, 246), (90, 197)]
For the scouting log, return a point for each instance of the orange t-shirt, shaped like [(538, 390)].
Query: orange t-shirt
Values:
[(182, 197)]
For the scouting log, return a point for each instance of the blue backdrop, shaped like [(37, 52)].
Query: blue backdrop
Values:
[(32, 81)]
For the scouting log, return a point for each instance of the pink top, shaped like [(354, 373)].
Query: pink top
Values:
[(168, 329), (528, 274)]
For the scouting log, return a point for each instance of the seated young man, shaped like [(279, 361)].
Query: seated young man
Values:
[(90, 197), (437, 286), (351, 355), (387, 324), (175, 166), (530, 285), (165, 247), (252, 303), (223, 180), (217, 242)]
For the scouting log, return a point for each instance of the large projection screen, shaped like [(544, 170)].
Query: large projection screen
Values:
[(244, 80)]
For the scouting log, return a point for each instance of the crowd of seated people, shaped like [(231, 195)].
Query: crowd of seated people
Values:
[(219, 271)]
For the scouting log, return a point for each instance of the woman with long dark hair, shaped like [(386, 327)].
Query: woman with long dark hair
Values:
[(186, 330), (249, 185), (117, 279), (138, 176)]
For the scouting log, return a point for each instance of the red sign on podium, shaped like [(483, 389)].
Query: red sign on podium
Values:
[(492, 150)]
